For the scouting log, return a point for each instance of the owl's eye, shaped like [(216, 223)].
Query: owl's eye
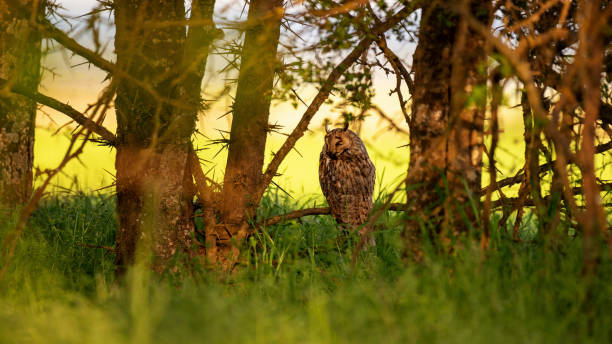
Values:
[(338, 143)]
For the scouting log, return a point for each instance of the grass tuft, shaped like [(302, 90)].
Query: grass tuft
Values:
[(298, 287)]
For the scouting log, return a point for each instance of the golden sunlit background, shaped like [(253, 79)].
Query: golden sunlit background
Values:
[(442, 253), (68, 78)]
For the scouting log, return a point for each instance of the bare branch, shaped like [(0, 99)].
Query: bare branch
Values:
[(386, 117), (97, 60), (395, 61), (108, 248), (50, 31), (528, 202), (65, 109), (520, 177), (296, 214)]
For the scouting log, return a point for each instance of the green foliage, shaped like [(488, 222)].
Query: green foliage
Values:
[(298, 285)]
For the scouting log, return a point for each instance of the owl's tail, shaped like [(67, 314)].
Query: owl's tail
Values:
[(369, 240), (352, 209)]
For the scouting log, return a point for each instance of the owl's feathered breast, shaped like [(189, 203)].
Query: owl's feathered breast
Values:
[(347, 181)]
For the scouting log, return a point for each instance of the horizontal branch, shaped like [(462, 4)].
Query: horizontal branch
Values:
[(515, 201), (296, 214), (108, 248), (325, 90), (65, 109), (520, 177)]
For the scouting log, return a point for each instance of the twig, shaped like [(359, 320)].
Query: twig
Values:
[(386, 117), (108, 248), (395, 61)]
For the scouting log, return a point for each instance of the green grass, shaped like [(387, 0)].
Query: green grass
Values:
[(298, 287)]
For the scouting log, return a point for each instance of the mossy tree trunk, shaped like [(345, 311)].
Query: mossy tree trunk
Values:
[(20, 52), (243, 174), (154, 127), (446, 126)]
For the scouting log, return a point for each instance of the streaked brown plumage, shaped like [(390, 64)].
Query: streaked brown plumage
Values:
[(346, 175)]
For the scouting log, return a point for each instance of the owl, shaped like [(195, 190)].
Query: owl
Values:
[(346, 175)]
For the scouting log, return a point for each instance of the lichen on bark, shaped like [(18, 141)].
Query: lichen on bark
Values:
[(20, 52)]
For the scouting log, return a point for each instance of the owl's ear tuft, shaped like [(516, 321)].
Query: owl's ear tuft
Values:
[(346, 125)]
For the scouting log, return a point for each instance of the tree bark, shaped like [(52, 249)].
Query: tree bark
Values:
[(590, 59), (154, 184), (446, 126), (243, 172), (20, 52)]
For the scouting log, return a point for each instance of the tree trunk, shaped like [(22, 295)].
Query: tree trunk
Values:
[(20, 54), (590, 58), (154, 127), (446, 127), (243, 173)]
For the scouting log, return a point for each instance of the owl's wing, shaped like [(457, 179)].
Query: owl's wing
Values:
[(369, 174), (365, 171), (323, 174)]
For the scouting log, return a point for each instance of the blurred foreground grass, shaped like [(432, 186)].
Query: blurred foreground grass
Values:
[(298, 287)]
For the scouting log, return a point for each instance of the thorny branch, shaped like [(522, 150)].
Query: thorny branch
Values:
[(66, 109)]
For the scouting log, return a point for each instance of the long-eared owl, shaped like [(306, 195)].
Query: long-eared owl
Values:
[(347, 176)]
